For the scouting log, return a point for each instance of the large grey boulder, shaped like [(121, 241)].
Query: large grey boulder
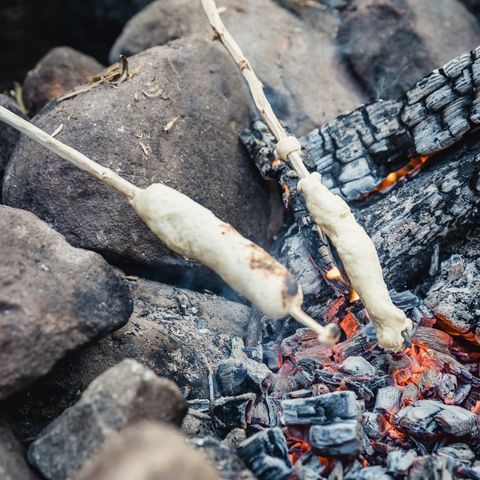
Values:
[(53, 298), (123, 127), (122, 396), (179, 334), (298, 63)]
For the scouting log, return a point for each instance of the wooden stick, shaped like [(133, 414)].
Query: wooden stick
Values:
[(254, 83), (175, 225), (331, 214), (105, 175)]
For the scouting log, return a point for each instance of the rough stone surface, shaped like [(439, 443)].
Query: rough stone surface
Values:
[(390, 44), (179, 334), (53, 298), (302, 96), (13, 465), (60, 70), (123, 127), (8, 135), (122, 396), (148, 451)]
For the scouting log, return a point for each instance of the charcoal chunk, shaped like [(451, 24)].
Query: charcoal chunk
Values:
[(320, 410), (232, 412), (388, 400), (336, 439), (429, 418), (266, 454), (230, 377)]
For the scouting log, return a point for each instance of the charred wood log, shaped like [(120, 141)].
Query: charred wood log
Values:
[(452, 296), (232, 412), (356, 151)]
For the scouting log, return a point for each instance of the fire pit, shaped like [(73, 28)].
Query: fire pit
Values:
[(105, 340)]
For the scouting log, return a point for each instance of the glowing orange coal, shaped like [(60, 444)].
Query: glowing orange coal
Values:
[(286, 196), (407, 171), (276, 163)]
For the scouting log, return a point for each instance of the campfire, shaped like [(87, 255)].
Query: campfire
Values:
[(353, 348)]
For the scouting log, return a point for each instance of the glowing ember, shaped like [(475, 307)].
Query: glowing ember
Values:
[(286, 196), (334, 274), (407, 171), (277, 163)]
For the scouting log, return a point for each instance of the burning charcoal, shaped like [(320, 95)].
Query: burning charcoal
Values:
[(364, 341), (361, 390), (359, 472), (230, 377), (257, 372), (428, 337), (446, 387), (460, 394), (458, 451), (399, 461), (336, 439), (388, 400), (227, 461), (272, 357), (320, 410), (405, 300), (357, 366), (374, 425), (428, 382), (199, 405), (429, 466), (309, 467), (232, 412), (266, 454), (266, 412), (377, 383), (409, 395), (429, 418)]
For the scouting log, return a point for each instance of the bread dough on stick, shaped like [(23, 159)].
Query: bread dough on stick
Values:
[(194, 231), (359, 258)]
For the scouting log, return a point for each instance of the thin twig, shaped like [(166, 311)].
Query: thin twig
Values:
[(105, 175), (254, 83)]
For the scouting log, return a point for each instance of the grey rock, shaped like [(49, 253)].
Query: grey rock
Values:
[(392, 43), (123, 127), (8, 135), (53, 298), (55, 74), (123, 395), (148, 451), (291, 89), (179, 334), (13, 465)]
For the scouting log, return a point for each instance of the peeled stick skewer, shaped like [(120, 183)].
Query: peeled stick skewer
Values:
[(194, 231), (331, 213)]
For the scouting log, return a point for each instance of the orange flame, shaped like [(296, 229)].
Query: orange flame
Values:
[(334, 274), (407, 171)]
